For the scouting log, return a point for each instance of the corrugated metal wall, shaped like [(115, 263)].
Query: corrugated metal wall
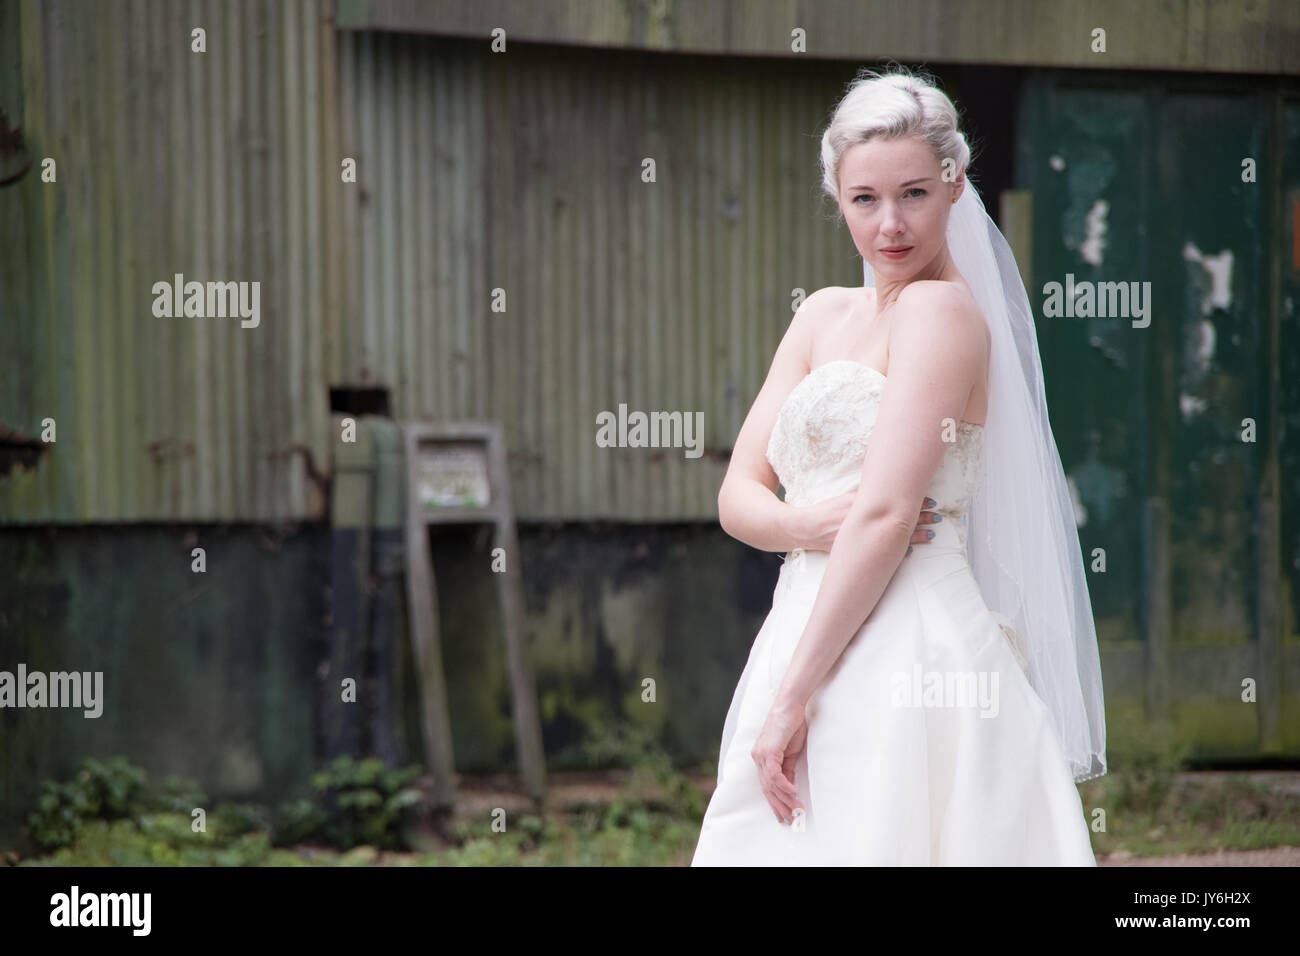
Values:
[(521, 171), (168, 161)]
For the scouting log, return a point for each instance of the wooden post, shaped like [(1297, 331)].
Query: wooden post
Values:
[(523, 696), (422, 600)]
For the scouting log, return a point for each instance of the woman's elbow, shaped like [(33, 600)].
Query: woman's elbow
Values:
[(724, 512), (874, 514)]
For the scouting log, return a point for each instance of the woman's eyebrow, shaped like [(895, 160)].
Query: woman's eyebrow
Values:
[(910, 182)]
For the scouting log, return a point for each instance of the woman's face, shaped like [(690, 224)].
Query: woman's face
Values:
[(896, 205)]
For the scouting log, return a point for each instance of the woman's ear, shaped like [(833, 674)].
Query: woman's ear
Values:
[(959, 184)]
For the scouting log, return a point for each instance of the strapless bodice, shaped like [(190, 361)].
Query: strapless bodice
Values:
[(821, 432)]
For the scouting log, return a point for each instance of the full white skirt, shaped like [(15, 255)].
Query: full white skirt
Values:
[(927, 746)]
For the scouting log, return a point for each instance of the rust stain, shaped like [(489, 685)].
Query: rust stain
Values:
[(169, 448), (15, 159), (319, 479), (19, 450)]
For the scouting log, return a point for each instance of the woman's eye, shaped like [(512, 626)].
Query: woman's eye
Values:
[(916, 192)]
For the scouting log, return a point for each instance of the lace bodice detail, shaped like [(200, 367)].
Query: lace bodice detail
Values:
[(820, 439)]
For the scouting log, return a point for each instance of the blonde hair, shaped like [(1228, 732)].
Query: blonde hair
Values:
[(891, 105)]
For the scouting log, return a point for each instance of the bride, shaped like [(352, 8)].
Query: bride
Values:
[(926, 689)]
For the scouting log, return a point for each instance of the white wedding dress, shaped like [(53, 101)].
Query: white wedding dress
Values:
[(900, 767)]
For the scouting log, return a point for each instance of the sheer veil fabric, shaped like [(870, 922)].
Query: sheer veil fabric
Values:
[(1022, 537)]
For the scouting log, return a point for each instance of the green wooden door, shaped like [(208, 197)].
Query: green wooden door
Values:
[(1158, 354)]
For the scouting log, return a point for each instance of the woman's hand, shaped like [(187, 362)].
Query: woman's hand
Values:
[(818, 524), (775, 752)]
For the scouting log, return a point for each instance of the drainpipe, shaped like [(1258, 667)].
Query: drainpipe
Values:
[(388, 565), (350, 520)]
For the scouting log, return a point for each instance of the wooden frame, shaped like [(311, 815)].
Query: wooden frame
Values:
[(423, 600)]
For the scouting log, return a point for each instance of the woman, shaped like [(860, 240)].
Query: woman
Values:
[(909, 706)]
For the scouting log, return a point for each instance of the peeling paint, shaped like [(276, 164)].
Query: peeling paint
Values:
[(1219, 270), (1094, 242), (1203, 351), (1190, 405)]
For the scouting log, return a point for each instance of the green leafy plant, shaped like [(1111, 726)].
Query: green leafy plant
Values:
[(358, 802), (652, 770), (298, 821), (161, 840), (101, 790), (178, 795), (237, 819)]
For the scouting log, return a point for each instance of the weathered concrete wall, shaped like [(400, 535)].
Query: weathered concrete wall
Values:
[(608, 607), (226, 676), (205, 675)]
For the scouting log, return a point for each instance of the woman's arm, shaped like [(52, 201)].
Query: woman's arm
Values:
[(936, 349), (748, 508)]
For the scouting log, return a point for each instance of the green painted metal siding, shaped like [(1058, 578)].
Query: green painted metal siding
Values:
[(1222, 36), (476, 172), (210, 165), (480, 171), (522, 172)]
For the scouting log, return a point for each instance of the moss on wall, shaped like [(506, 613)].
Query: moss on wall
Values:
[(205, 675)]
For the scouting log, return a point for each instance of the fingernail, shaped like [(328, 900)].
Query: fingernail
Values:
[(929, 534), (938, 518), (909, 549), (929, 502)]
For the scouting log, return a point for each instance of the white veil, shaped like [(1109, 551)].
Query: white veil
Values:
[(1022, 540)]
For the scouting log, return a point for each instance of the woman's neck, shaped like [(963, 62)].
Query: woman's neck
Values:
[(888, 291)]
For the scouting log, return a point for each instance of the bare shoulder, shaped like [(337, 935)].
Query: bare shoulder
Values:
[(939, 308), (824, 306), (948, 298), (823, 301)]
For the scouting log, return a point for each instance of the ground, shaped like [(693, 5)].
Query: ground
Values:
[(478, 796)]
